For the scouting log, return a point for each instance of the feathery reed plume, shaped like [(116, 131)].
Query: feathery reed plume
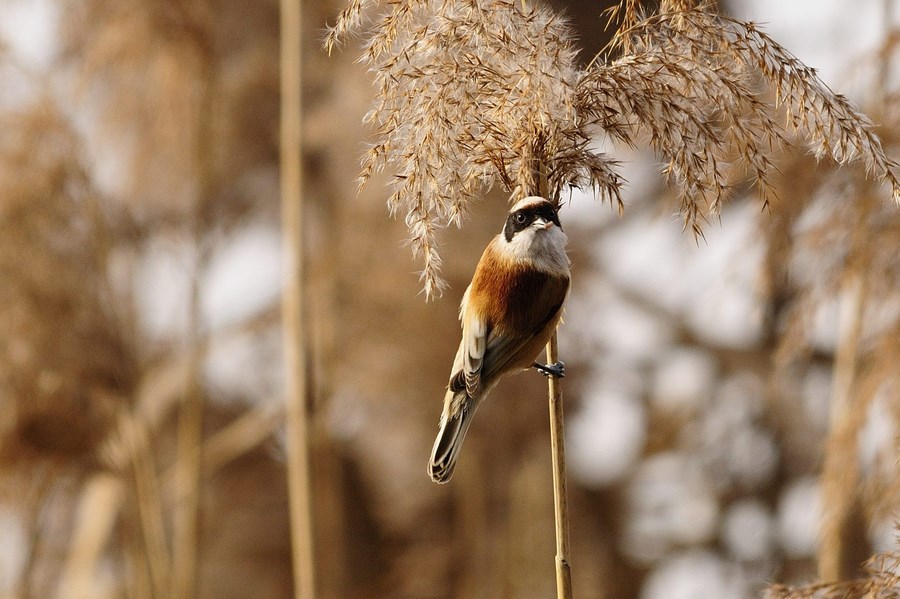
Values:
[(470, 94), (881, 581), (843, 233), (479, 92), (851, 242)]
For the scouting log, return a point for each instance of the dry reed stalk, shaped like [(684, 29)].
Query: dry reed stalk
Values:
[(187, 505), (560, 494), (36, 503), (151, 516), (557, 444), (129, 449), (103, 496), (237, 438), (294, 329), (838, 554), (840, 471), (186, 533), (98, 509), (156, 559), (139, 585)]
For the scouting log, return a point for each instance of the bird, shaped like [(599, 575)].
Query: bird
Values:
[(508, 313)]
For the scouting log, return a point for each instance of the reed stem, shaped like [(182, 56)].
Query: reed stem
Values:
[(294, 331), (557, 442), (560, 493)]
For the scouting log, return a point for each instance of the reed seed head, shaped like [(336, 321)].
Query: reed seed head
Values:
[(476, 93)]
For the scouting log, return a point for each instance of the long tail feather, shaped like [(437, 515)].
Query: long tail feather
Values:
[(450, 437)]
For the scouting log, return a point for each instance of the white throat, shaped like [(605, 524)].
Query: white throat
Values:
[(544, 249)]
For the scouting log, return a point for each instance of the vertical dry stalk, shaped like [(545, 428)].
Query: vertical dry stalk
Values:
[(838, 558), (150, 514), (186, 527), (98, 509), (36, 504), (186, 534), (557, 446), (840, 472), (560, 494), (187, 509), (299, 486)]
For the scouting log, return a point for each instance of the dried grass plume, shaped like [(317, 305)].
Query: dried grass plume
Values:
[(475, 93)]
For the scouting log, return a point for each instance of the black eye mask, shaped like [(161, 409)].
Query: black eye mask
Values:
[(522, 219)]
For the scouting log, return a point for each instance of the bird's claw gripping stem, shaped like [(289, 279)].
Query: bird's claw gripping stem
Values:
[(557, 370)]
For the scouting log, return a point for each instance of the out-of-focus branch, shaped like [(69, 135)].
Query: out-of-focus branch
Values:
[(103, 496), (294, 331), (840, 556), (151, 515), (186, 529), (840, 472), (96, 515), (238, 438), (130, 450)]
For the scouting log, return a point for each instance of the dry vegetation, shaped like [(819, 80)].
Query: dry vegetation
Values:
[(131, 471), (840, 227), (477, 93)]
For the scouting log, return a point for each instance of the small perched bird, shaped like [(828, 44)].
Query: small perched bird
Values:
[(508, 313)]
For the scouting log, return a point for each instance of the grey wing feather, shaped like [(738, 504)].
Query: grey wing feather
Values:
[(473, 346), (469, 360)]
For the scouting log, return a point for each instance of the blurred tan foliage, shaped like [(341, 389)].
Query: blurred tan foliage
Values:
[(68, 366), (157, 126)]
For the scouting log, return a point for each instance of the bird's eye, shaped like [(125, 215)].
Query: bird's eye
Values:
[(520, 218)]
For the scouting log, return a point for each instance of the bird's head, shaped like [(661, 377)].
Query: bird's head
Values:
[(532, 234)]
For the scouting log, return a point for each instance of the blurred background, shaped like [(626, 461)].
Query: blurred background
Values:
[(732, 404)]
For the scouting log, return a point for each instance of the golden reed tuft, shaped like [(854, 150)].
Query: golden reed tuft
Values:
[(483, 92)]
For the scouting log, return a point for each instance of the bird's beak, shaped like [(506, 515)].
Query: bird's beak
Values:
[(540, 223)]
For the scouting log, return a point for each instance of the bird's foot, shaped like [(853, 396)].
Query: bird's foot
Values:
[(557, 370)]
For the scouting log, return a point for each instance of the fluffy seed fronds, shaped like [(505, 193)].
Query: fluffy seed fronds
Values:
[(473, 93), (881, 581), (469, 94)]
